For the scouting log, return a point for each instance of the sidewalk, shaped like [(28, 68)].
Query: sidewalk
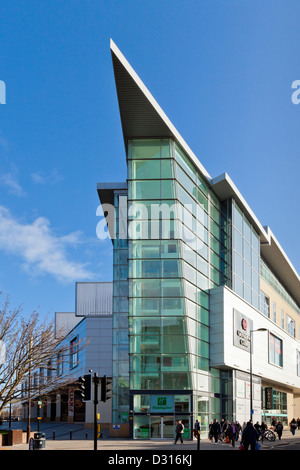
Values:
[(115, 445)]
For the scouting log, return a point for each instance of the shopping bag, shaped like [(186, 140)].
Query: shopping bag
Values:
[(242, 447), (257, 446)]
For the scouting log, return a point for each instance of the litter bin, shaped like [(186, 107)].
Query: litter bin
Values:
[(39, 440)]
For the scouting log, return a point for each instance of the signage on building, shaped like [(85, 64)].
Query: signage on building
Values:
[(268, 398), (160, 403), (242, 326)]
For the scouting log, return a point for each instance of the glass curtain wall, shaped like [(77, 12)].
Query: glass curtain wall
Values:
[(120, 400), (157, 327), (240, 254), (174, 259)]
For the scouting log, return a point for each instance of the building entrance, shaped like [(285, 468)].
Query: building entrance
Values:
[(162, 427)]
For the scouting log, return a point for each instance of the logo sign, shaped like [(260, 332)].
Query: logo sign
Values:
[(244, 324), (160, 403), (241, 334)]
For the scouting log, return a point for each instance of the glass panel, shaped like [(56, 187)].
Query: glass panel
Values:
[(238, 218), (145, 149), (141, 428), (185, 163), (172, 307), (145, 189), (144, 169), (168, 427), (156, 427), (182, 403), (141, 404)]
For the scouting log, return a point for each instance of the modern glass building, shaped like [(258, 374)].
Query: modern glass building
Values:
[(190, 262)]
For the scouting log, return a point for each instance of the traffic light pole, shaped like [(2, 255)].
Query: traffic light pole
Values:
[(95, 408)]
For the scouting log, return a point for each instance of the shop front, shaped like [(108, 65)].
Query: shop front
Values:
[(155, 416)]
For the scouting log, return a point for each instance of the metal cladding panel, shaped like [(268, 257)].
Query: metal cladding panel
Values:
[(94, 298), (65, 322)]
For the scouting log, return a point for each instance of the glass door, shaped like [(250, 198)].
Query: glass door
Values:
[(162, 427), (168, 427), (155, 427)]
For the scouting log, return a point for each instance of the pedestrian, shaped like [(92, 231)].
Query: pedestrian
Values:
[(179, 432), (263, 429), (210, 435), (197, 433), (238, 428), (197, 428), (231, 433), (293, 426), (257, 427), (224, 428), (249, 436), (216, 430), (279, 429), (222, 422), (298, 423)]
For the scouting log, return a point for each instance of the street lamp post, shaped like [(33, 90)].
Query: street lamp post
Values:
[(251, 394)]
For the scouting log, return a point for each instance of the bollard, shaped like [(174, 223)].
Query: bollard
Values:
[(70, 435), (53, 435), (86, 435)]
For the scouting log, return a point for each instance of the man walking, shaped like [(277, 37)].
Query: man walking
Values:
[(215, 430), (179, 432)]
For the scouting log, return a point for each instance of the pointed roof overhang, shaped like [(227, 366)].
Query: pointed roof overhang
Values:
[(141, 115)]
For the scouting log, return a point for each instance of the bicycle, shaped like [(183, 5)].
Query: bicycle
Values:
[(268, 434)]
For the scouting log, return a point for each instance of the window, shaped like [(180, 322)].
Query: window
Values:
[(298, 362), (74, 352), (290, 326), (282, 319), (35, 380), (60, 364), (265, 304), (274, 312), (42, 375), (275, 350)]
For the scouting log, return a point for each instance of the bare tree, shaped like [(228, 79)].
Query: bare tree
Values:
[(34, 355)]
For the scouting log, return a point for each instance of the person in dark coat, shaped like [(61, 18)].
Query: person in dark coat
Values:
[(238, 428), (215, 430), (250, 436), (231, 433), (279, 429)]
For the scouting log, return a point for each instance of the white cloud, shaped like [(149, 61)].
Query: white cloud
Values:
[(41, 250), (41, 178), (10, 181)]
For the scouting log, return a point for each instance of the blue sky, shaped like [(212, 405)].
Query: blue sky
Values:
[(220, 69)]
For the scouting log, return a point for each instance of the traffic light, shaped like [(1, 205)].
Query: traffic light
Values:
[(85, 387), (106, 388)]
